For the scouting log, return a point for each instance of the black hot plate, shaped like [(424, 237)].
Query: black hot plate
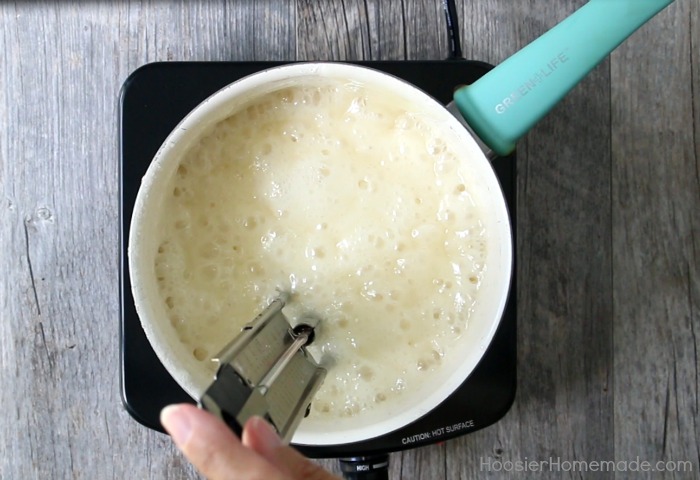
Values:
[(153, 101)]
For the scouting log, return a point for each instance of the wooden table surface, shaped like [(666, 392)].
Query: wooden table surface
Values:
[(608, 230)]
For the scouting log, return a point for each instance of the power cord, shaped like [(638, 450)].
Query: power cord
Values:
[(452, 30)]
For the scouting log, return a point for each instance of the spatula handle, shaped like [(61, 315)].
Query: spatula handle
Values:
[(506, 102)]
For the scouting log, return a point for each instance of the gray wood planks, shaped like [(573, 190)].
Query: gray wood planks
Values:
[(656, 245), (608, 241)]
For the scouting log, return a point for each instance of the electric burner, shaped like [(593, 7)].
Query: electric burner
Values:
[(153, 101)]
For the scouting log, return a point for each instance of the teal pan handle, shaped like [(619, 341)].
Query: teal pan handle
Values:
[(506, 102)]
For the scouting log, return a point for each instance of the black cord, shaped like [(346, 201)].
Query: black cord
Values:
[(452, 29)]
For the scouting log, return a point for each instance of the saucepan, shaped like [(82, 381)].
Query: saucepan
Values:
[(497, 110)]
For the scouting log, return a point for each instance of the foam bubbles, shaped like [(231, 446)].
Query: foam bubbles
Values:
[(360, 208)]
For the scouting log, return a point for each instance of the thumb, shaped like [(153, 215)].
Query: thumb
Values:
[(212, 447), (261, 437)]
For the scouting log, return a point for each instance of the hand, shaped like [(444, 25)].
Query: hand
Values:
[(218, 454)]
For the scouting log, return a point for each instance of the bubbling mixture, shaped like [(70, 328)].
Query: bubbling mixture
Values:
[(351, 200)]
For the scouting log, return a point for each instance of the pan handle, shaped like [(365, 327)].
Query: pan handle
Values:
[(509, 100)]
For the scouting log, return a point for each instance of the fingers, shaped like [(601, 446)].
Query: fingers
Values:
[(261, 437), (212, 447)]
